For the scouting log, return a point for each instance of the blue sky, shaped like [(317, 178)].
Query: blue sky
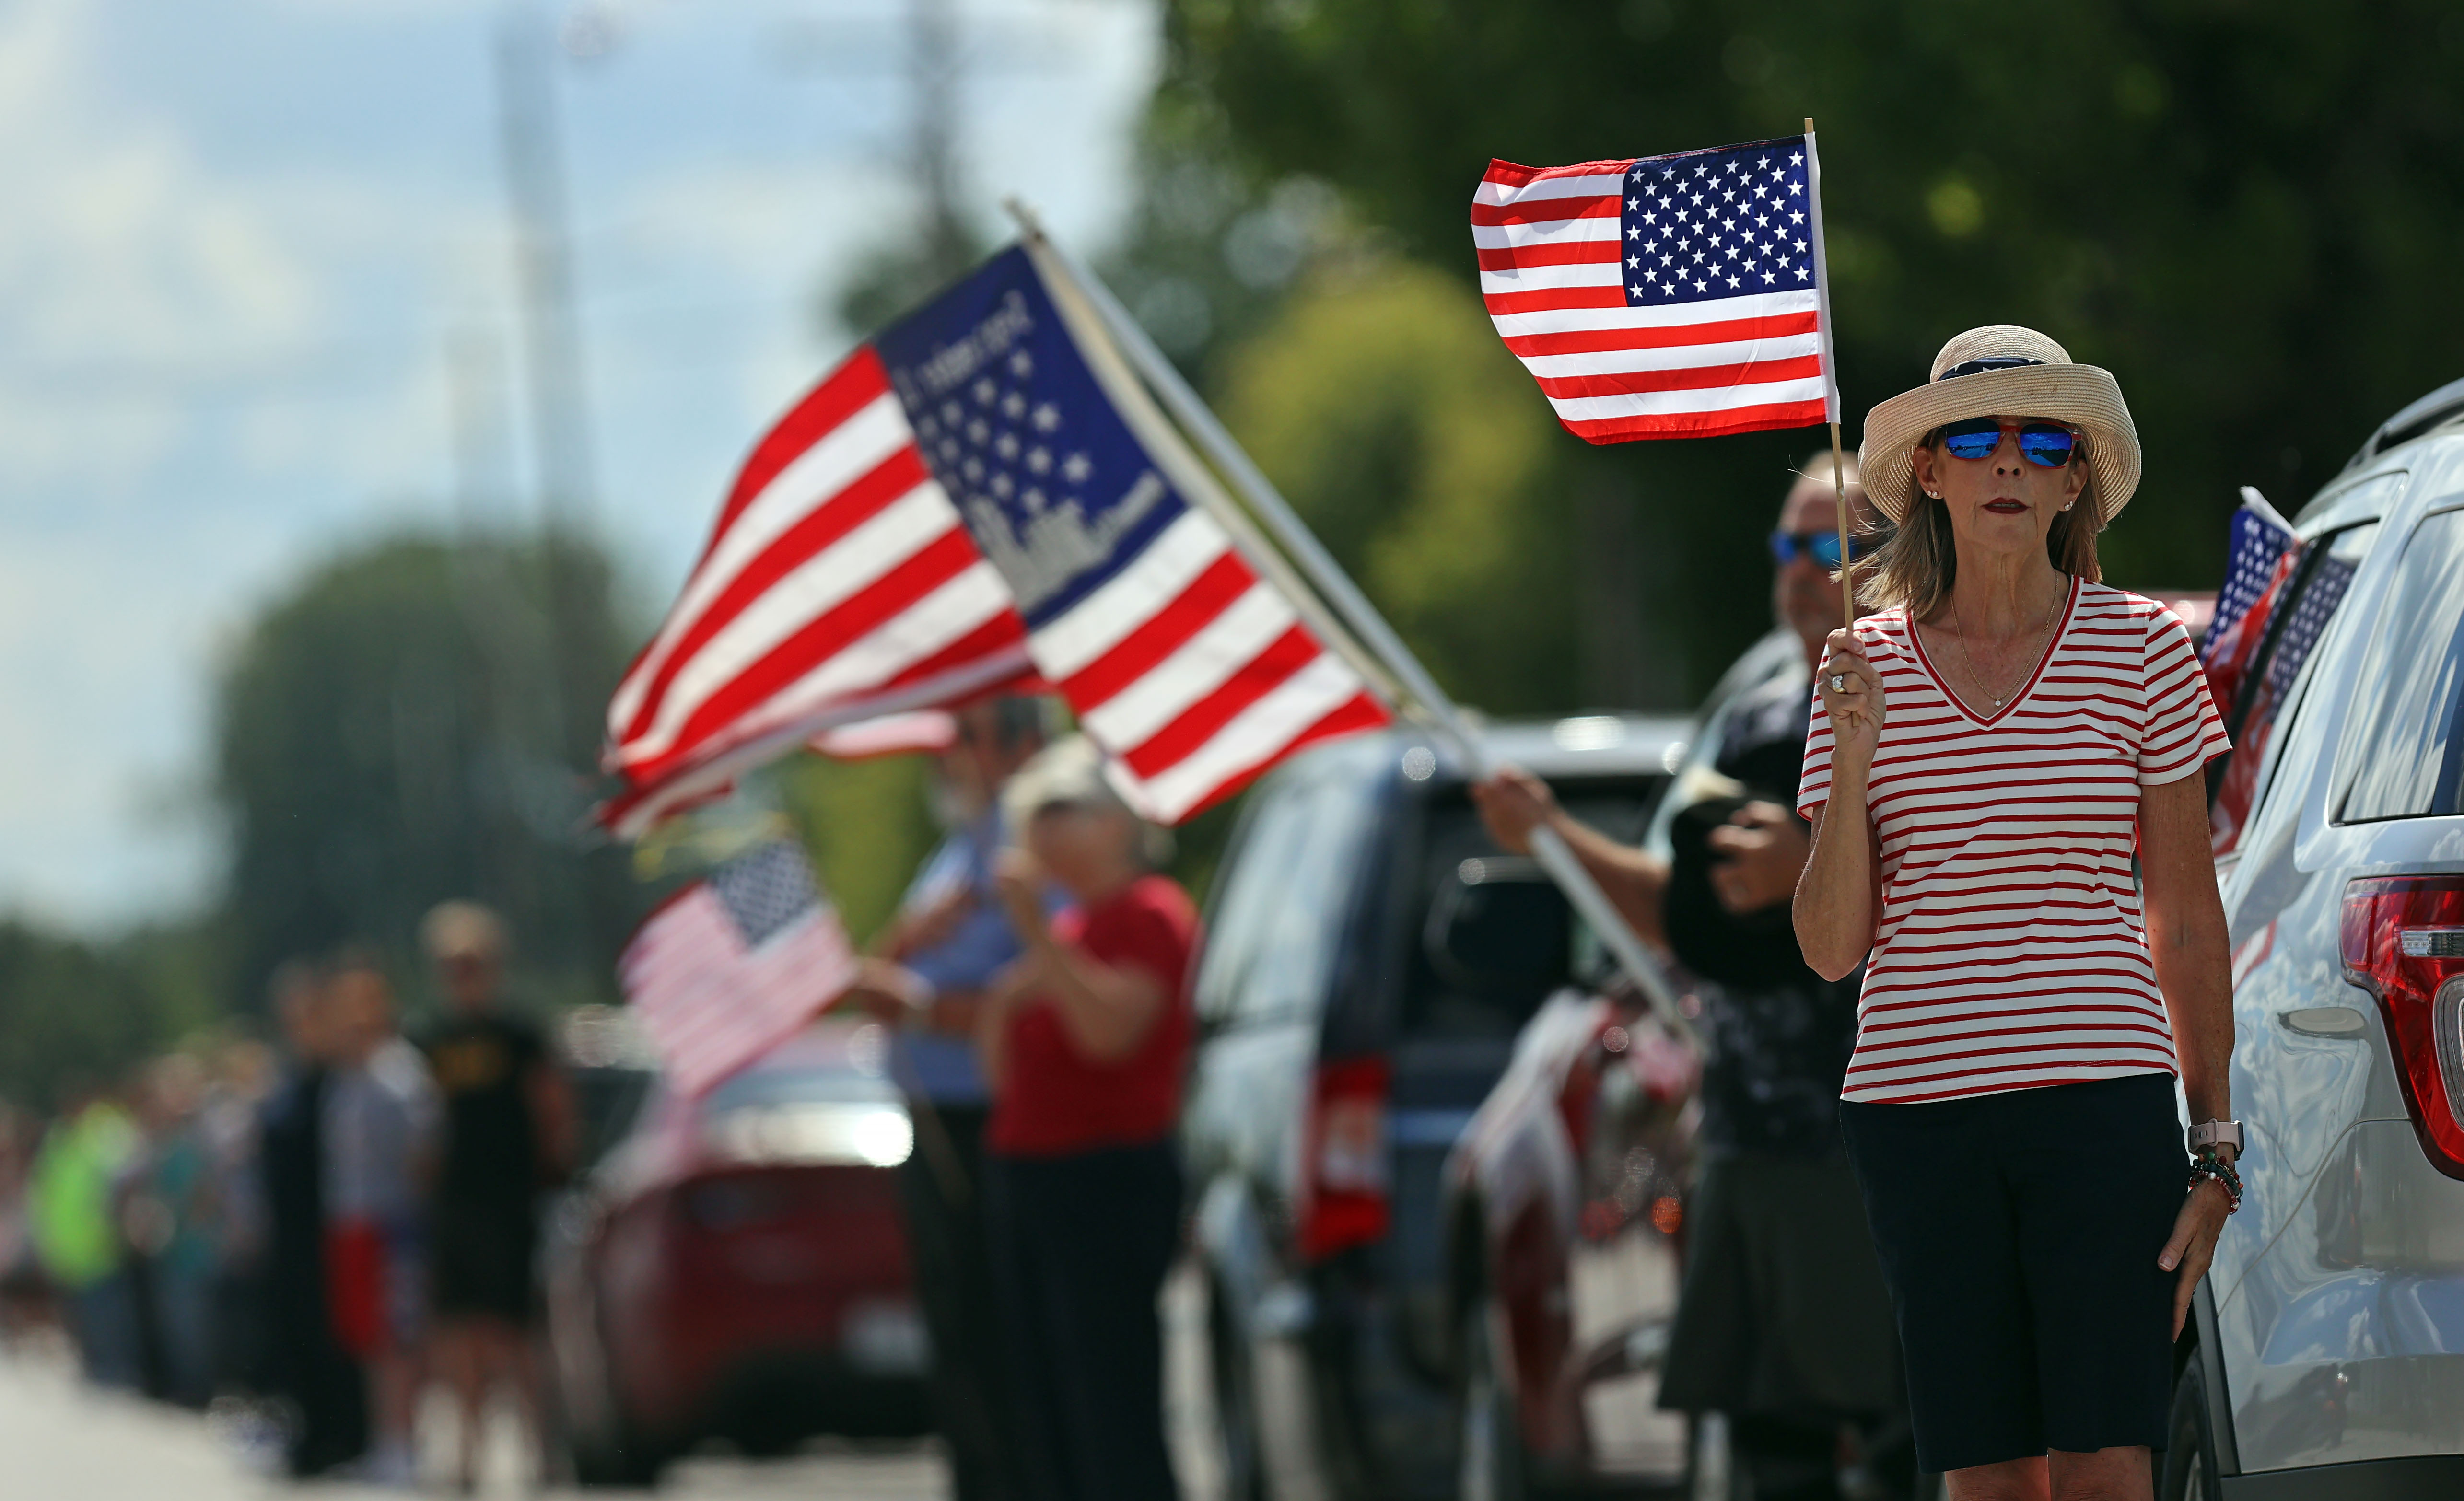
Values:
[(236, 238)]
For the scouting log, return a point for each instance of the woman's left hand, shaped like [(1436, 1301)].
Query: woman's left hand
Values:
[(1017, 880), (2194, 1242)]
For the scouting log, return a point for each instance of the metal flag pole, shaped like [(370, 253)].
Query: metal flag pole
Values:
[(1831, 380), (1337, 586)]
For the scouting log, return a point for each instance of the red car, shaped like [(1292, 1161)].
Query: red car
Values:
[(736, 1268), (1566, 1202)]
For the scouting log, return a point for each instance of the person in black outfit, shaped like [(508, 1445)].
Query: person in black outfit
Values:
[(306, 1365), (1783, 1322), (505, 1140)]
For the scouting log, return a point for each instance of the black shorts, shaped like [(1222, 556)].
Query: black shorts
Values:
[(482, 1262), (2020, 1233)]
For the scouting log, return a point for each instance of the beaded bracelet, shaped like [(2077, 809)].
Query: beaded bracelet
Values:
[(2206, 1164)]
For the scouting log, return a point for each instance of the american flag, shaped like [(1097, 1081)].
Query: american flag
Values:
[(2263, 553), (2262, 570), (890, 735), (837, 586), (736, 964), (1013, 522), (1665, 297), (1193, 672)]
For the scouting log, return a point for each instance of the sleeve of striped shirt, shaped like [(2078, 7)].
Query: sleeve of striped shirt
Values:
[(2182, 733)]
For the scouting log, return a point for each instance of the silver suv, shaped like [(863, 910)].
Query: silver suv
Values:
[(2327, 1356)]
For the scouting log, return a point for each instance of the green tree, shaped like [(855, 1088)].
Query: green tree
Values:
[(390, 732), (1383, 404), (2247, 208), (74, 1012), (1214, 245), (869, 825)]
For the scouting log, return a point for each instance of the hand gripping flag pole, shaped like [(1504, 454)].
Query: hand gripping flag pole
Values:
[(1385, 653)]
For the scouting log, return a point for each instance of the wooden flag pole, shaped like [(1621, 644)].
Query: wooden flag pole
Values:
[(1838, 474), (1847, 554)]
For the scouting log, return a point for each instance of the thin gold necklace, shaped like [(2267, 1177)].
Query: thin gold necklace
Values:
[(2030, 661)]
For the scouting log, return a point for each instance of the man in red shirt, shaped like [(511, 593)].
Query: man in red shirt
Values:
[(1085, 1041)]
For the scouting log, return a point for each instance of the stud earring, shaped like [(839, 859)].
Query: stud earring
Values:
[(2068, 507)]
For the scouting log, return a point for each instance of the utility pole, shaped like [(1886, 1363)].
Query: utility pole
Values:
[(473, 392), (933, 65), (563, 743), (543, 268)]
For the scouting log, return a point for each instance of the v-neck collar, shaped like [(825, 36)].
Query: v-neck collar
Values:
[(2053, 644)]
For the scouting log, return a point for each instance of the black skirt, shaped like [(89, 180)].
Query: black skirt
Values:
[(1783, 1312)]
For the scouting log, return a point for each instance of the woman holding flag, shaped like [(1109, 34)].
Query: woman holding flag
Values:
[(1085, 1040), (1990, 751)]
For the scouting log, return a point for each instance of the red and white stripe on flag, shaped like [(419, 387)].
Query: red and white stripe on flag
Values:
[(1664, 297), (1194, 675), (838, 586), (715, 992)]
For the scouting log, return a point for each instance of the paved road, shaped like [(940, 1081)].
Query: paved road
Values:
[(62, 1441)]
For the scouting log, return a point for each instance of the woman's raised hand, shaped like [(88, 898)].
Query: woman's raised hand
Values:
[(1018, 881), (1851, 696)]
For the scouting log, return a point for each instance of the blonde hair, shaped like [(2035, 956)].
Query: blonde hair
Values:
[(1918, 560)]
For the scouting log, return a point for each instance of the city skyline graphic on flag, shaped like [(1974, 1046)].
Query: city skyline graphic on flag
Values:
[(1049, 480), (1709, 223)]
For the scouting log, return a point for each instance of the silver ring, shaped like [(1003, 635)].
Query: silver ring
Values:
[(1839, 682)]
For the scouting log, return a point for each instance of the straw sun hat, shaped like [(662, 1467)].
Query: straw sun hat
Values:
[(2003, 371)]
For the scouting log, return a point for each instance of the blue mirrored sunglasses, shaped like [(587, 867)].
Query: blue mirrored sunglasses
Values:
[(1823, 548), (2047, 444)]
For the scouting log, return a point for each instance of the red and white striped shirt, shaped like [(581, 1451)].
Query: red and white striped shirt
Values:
[(2010, 951)]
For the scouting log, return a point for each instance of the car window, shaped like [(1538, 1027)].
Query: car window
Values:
[(1444, 1004), (1280, 907), (2314, 590), (2400, 754)]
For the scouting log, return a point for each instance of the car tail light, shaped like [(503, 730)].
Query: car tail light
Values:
[(2404, 942), (1343, 1185)]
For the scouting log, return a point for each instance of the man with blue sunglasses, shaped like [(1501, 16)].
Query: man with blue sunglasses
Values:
[(1820, 548), (1783, 1322)]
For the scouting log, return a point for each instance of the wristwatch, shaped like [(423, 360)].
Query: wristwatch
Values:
[(2216, 1134)]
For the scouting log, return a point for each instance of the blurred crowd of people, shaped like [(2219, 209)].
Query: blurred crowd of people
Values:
[(303, 1238), (134, 1220), (311, 1235)]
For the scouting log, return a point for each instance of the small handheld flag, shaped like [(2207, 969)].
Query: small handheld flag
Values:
[(1665, 297), (736, 964), (1669, 296), (2253, 621)]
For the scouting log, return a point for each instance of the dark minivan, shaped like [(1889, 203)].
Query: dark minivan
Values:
[(1370, 960)]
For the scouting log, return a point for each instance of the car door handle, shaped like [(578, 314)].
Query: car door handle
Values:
[(2326, 1020)]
